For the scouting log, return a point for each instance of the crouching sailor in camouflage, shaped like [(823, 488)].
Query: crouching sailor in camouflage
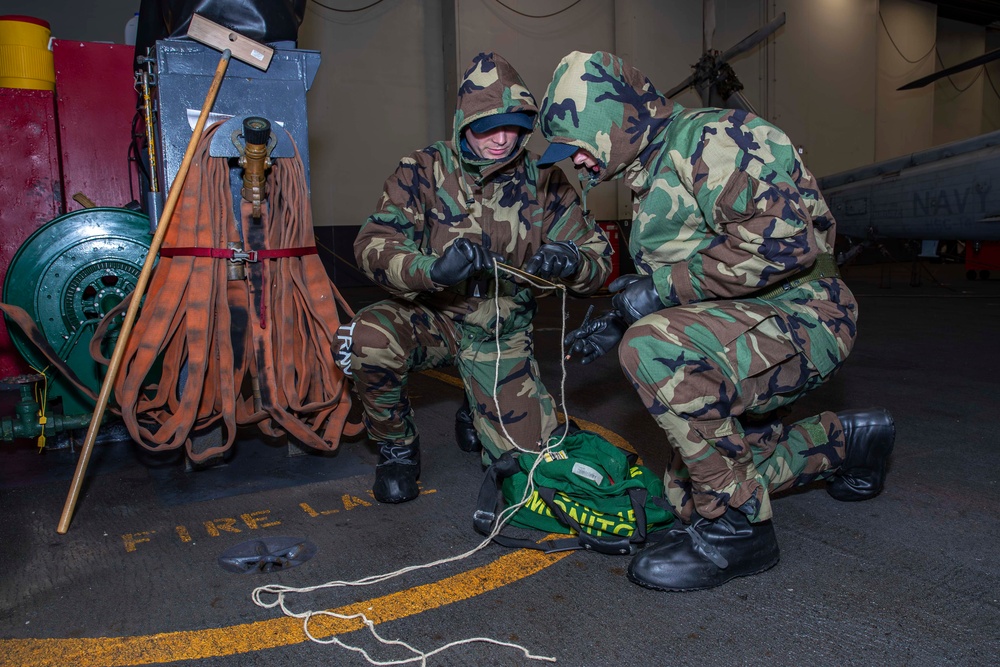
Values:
[(737, 310), (445, 215)]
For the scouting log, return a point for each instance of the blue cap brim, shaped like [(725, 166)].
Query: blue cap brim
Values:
[(556, 153), (516, 119)]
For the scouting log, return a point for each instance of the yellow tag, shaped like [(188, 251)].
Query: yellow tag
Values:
[(41, 443), (549, 457), (42, 420)]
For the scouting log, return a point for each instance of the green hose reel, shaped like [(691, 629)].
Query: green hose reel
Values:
[(67, 276)]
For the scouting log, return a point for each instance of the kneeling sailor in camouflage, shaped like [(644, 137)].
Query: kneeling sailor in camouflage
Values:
[(445, 215), (736, 311)]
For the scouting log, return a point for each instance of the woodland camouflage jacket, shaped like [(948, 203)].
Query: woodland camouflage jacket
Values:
[(510, 206), (722, 205)]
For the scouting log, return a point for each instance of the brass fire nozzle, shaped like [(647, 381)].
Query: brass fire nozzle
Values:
[(255, 158)]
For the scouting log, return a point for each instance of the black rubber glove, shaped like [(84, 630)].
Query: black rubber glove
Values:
[(560, 259), (462, 259), (636, 297), (597, 336)]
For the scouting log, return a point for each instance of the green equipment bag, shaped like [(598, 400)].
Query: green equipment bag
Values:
[(586, 486)]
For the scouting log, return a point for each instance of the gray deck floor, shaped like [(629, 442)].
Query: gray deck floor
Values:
[(909, 578)]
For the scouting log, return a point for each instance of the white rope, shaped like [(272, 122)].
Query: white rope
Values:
[(279, 592), (562, 335)]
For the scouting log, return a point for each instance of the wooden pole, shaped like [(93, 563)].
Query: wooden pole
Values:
[(140, 289)]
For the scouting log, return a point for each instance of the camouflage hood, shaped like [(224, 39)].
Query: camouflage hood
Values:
[(491, 86), (610, 109)]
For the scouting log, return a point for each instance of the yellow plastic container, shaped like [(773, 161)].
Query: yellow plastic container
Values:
[(25, 58)]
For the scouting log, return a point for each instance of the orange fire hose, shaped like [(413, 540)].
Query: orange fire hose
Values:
[(130, 315), (255, 351)]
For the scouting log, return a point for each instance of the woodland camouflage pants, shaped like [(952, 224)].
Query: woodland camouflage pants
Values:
[(712, 375), (391, 338)]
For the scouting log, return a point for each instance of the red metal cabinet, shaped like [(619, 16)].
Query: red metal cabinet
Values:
[(96, 101), (55, 145), (982, 259), (30, 190)]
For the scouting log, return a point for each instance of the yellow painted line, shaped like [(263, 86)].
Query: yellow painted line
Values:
[(610, 436), (284, 631), (444, 377), (249, 637)]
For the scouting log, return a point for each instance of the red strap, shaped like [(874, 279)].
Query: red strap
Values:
[(229, 253)]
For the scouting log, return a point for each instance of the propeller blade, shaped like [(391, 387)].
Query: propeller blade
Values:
[(707, 24), (747, 44), (739, 101), (754, 39), (954, 69), (680, 87), (705, 92)]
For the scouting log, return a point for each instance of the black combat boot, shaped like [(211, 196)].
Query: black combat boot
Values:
[(707, 553), (397, 472), (868, 438), (465, 432)]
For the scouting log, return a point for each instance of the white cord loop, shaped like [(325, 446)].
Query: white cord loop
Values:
[(279, 592)]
